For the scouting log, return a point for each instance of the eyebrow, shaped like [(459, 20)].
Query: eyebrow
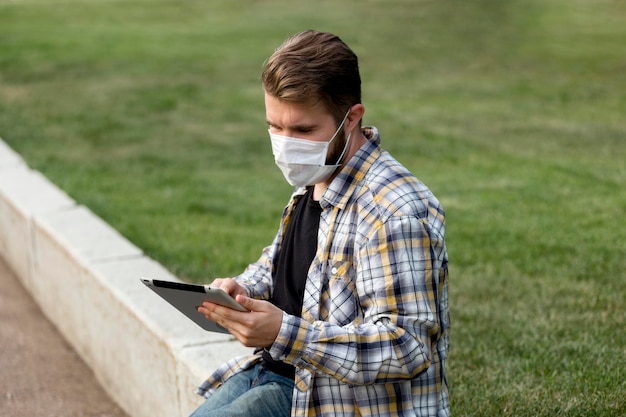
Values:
[(297, 127)]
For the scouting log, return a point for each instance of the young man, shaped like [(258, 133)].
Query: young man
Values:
[(349, 304)]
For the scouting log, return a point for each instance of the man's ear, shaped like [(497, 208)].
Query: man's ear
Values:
[(354, 117)]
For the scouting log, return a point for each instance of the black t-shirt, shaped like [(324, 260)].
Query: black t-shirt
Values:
[(292, 266)]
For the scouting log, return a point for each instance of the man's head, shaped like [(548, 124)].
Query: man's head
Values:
[(314, 68)]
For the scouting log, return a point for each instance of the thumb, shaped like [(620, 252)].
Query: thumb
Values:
[(249, 303)]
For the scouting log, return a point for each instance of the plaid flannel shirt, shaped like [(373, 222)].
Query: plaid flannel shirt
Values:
[(373, 336)]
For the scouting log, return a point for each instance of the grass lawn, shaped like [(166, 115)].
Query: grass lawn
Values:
[(513, 112)]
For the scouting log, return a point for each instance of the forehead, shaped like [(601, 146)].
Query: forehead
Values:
[(283, 113)]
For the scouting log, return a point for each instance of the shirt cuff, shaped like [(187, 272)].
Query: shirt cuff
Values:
[(285, 345)]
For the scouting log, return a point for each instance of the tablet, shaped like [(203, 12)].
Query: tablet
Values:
[(188, 297)]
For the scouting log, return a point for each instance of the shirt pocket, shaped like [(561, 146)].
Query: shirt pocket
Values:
[(342, 301)]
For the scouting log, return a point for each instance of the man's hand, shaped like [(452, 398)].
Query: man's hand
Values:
[(229, 285), (256, 328)]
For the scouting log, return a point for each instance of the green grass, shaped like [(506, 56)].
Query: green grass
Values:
[(513, 112)]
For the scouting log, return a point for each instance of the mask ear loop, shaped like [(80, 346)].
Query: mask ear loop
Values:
[(340, 126), (345, 147), (340, 159)]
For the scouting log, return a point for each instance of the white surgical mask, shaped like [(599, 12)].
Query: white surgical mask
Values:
[(303, 161)]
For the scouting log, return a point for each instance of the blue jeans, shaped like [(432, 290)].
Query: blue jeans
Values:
[(255, 392)]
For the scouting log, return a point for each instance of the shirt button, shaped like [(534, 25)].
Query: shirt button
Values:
[(333, 270)]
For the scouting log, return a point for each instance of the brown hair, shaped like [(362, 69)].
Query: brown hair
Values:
[(312, 66)]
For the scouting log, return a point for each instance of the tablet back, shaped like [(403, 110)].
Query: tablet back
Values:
[(186, 298)]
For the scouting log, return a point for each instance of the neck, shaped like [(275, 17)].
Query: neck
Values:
[(319, 190)]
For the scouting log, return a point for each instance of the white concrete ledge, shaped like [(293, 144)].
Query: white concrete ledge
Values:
[(85, 276)]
